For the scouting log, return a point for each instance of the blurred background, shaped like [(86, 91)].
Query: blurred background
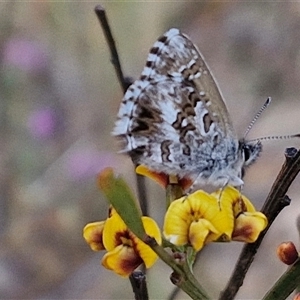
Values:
[(59, 97)]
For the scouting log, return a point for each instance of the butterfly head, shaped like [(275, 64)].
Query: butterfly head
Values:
[(249, 152)]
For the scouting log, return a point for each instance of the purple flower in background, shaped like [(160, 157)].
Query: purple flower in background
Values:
[(25, 55), (85, 162), (42, 123)]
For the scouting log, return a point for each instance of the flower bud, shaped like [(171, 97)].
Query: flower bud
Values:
[(297, 296), (287, 253)]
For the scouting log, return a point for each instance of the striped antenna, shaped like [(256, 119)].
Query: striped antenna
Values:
[(276, 137), (266, 104)]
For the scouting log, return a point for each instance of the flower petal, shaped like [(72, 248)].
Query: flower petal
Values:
[(161, 178), (144, 251), (122, 260), (248, 226), (93, 235), (117, 234), (199, 232), (230, 196), (193, 208), (113, 230)]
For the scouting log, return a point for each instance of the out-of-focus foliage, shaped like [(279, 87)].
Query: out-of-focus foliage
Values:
[(58, 102)]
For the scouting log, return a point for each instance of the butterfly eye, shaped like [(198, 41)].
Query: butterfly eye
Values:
[(251, 152), (247, 153)]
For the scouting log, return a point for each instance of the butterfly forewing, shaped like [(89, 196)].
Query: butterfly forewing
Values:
[(174, 54)]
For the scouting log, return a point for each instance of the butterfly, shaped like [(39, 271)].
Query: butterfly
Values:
[(173, 119)]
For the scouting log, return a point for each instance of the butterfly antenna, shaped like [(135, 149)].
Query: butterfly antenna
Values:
[(266, 104), (276, 137)]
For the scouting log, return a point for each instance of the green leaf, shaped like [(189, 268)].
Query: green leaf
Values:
[(120, 197)]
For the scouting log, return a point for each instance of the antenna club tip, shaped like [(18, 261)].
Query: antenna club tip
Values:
[(266, 104), (99, 8)]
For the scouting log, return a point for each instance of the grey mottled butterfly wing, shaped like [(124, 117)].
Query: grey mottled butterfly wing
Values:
[(175, 55), (173, 119)]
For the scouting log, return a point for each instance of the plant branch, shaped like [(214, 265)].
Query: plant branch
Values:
[(286, 284), (100, 12), (125, 82), (139, 285), (173, 191), (182, 276), (274, 203), (140, 180)]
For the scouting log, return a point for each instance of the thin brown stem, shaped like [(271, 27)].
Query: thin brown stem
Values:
[(139, 285), (275, 202), (140, 291), (101, 14), (125, 83)]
